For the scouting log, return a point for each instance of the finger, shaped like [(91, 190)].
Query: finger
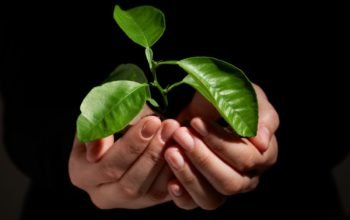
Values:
[(179, 195), (78, 149), (202, 193), (269, 157), (127, 149), (96, 149), (143, 172), (111, 195), (268, 121), (239, 153), (219, 172), (82, 173), (159, 189), (76, 159)]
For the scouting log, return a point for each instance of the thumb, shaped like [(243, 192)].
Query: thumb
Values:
[(262, 138), (96, 149), (268, 121)]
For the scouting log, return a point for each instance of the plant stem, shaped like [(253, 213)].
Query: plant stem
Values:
[(153, 68), (167, 62), (153, 65), (173, 86), (156, 84), (162, 92)]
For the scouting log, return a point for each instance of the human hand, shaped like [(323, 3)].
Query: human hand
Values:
[(129, 172), (213, 163)]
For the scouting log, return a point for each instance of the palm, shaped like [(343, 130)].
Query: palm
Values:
[(198, 107)]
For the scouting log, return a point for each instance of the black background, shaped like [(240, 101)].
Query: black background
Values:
[(54, 52)]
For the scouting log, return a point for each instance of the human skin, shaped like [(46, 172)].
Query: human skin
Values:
[(207, 157), (198, 165)]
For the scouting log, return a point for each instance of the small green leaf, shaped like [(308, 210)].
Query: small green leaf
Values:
[(227, 88), (144, 24), (153, 102), (128, 71), (109, 108)]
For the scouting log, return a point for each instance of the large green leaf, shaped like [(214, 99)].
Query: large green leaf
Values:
[(109, 108), (227, 88), (144, 24)]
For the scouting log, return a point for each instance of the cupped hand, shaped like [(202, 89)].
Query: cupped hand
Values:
[(127, 173), (210, 162)]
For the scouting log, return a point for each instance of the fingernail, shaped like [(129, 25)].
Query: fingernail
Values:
[(166, 132), (176, 190), (185, 140), (200, 127), (176, 160), (148, 129), (265, 136)]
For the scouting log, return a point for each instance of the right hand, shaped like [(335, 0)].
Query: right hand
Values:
[(129, 172), (211, 163)]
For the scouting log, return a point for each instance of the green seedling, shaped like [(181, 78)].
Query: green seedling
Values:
[(111, 106)]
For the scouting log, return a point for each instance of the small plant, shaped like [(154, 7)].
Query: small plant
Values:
[(110, 107)]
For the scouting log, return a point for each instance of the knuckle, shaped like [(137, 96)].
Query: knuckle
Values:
[(136, 149), (249, 163), (77, 182), (213, 203), (231, 187), (272, 160), (154, 156), (76, 178), (99, 202), (202, 160), (131, 192), (271, 115), (253, 185), (276, 120), (110, 171), (133, 146), (276, 117), (272, 157)]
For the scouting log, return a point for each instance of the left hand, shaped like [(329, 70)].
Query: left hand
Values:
[(211, 163)]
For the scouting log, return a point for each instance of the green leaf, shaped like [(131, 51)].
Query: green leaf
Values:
[(128, 71), (153, 102), (109, 108), (227, 88), (144, 24)]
